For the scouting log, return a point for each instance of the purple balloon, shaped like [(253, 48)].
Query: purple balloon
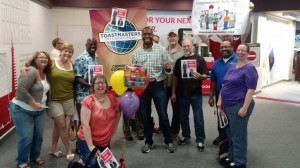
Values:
[(129, 104)]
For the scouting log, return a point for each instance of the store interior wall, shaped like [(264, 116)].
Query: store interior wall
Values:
[(73, 26), (46, 24), (276, 48), (27, 26)]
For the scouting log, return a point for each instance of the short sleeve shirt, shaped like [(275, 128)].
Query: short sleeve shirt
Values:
[(219, 70), (81, 70), (101, 120), (236, 83), (152, 58), (189, 86)]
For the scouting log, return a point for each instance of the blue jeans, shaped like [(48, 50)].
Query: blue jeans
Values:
[(30, 129), (155, 91), (175, 123), (237, 133), (85, 152), (184, 105)]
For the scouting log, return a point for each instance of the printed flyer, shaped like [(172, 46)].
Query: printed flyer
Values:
[(93, 70), (188, 67), (107, 160)]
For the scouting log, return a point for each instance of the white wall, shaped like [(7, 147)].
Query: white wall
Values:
[(27, 24), (278, 34), (73, 25)]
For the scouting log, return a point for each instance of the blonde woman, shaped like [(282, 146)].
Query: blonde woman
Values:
[(62, 99)]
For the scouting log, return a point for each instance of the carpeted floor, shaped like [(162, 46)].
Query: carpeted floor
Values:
[(274, 135)]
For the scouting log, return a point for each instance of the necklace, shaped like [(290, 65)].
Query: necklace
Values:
[(101, 100)]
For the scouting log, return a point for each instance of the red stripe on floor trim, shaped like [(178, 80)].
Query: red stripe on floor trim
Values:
[(278, 100)]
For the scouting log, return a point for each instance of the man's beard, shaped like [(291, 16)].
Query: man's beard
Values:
[(187, 53)]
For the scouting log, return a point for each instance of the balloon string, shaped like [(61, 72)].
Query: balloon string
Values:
[(124, 147), (132, 102)]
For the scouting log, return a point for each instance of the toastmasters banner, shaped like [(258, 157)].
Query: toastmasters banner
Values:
[(116, 42), (220, 16)]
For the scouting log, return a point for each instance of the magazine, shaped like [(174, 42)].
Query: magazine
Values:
[(94, 70), (188, 67), (107, 160), (222, 118), (118, 17)]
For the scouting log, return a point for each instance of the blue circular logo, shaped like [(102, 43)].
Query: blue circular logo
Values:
[(121, 47)]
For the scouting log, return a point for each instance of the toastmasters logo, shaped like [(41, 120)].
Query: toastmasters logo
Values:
[(120, 40)]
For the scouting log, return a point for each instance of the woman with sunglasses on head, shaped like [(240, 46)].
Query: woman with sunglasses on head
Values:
[(27, 109), (236, 98), (100, 114)]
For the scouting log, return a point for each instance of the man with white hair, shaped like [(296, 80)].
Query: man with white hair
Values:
[(187, 91)]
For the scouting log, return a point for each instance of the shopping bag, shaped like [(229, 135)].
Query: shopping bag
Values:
[(72, 130)]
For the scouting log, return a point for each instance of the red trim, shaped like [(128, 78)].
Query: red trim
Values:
[(278, 100)]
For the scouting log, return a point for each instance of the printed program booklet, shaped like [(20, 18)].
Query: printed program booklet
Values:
[(118, 17), (222, 118), (107, 160), (94, 70), (188, 67)]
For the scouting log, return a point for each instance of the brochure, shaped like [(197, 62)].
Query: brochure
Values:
[(118, 17), (188, 67), (94, 70), (222, 118), (107, 160)]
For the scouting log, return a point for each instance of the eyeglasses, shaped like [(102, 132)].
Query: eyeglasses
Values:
[(99, 83), (42, 57), (242, 51)]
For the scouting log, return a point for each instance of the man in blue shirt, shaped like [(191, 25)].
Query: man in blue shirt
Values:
[(218, 72), (88, 57)]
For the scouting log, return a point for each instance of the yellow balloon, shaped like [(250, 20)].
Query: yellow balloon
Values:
[(117, 82)]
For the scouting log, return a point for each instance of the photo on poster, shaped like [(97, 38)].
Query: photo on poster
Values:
[(188, 67), (94, 70), (107, 160), (118, 17)]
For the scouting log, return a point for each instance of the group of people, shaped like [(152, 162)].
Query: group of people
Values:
[(53, 84), (233, 82)]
